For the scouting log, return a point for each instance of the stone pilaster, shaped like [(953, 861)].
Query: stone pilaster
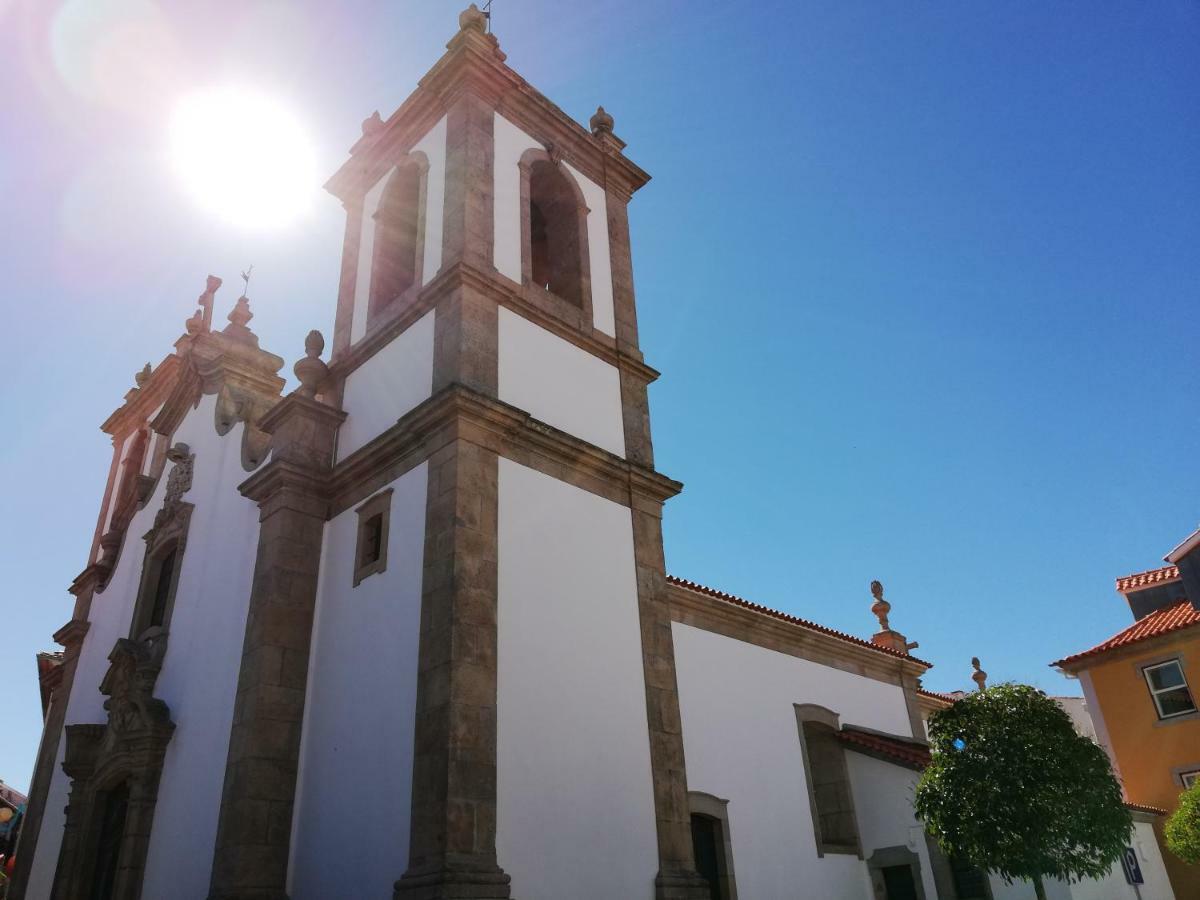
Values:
[(677, 877), (70, 637), (254, 828), (452, 851)]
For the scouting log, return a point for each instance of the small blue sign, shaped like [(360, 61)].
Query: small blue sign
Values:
[(1133, 871)]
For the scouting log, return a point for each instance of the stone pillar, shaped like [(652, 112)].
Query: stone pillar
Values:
[(70, 636), (254, 828), (452, 851), (677, 877)]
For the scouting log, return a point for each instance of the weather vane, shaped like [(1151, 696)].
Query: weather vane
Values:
[(246, 279), (487, 13)]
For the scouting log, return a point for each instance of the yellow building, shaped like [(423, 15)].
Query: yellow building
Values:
[(1142, 687)]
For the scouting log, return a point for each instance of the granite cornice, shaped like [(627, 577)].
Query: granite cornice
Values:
[(503, 292), (474, 64), (71, 635), (141, 402), (459, 412), (710, 614), (281, 476)]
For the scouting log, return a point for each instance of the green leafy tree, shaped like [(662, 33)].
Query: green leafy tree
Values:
[(1015, 790), (1183, 828)]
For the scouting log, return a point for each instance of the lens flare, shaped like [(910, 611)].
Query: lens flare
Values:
[(244, 157)]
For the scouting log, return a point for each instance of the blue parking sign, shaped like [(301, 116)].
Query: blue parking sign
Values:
[(1129, 862)]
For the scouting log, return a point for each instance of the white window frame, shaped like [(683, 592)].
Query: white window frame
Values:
[(1189, 778), (1154, 692)]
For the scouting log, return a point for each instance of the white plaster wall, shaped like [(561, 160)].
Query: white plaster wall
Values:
[(1112, 886), (509, 142), (387, 386), (351, 826), (575, 799), (200, 671), (199, 674), (742, 744), (564, 386), (603, 316), (883, 804), (433, 145)]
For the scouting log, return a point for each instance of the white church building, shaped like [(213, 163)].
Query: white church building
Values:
[(407, 631)]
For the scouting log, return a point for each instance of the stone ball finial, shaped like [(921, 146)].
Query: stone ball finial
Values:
[(314, 344), (310, 370), (472, 19), (880, 607), (143, 376), (240, 315), (978, 676), (601, 122)]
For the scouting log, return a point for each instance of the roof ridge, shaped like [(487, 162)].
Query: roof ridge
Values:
[(795, 620), (1150, 576), (1180, 614)]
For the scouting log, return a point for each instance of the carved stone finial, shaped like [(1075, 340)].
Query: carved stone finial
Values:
[(880, 607), (239, 316), (372, 124), (311, 370), (143, 376), (472, 19), (978, 676), (601, 122)]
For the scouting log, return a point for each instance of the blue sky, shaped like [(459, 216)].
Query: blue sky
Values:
[(921, 279)]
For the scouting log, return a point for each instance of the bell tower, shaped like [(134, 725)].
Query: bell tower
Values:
[(494, 431)]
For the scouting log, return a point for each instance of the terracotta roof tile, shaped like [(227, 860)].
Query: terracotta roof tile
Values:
[(1162, 621), (1145, 579), (795, 620), (907, 753)]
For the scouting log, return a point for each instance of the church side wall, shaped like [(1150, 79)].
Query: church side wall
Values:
[(883, 803), (742, 744), (199, 673), (387, 386), (575, 809), (509, 142), (582, 393), (351, 826)]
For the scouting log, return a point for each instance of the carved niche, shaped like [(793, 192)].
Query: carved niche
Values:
[(115, 770)]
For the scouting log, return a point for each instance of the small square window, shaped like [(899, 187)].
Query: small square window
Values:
[(1189, 779), (1169, 689), (370, 552)]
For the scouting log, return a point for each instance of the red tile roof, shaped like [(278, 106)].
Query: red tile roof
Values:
[(794, 620), (1145, 579), (943, 696), (906, 753), (1162, 621)]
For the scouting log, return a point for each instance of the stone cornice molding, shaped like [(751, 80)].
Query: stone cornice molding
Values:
[(459, 412), (71, 635), (243, 377), (141, 402), (504, 293), (474, 64), (690, 607)]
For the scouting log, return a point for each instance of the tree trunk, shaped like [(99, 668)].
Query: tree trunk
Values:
[(1039, 888)]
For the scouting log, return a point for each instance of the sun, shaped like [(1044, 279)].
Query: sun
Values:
[(244, 157)]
